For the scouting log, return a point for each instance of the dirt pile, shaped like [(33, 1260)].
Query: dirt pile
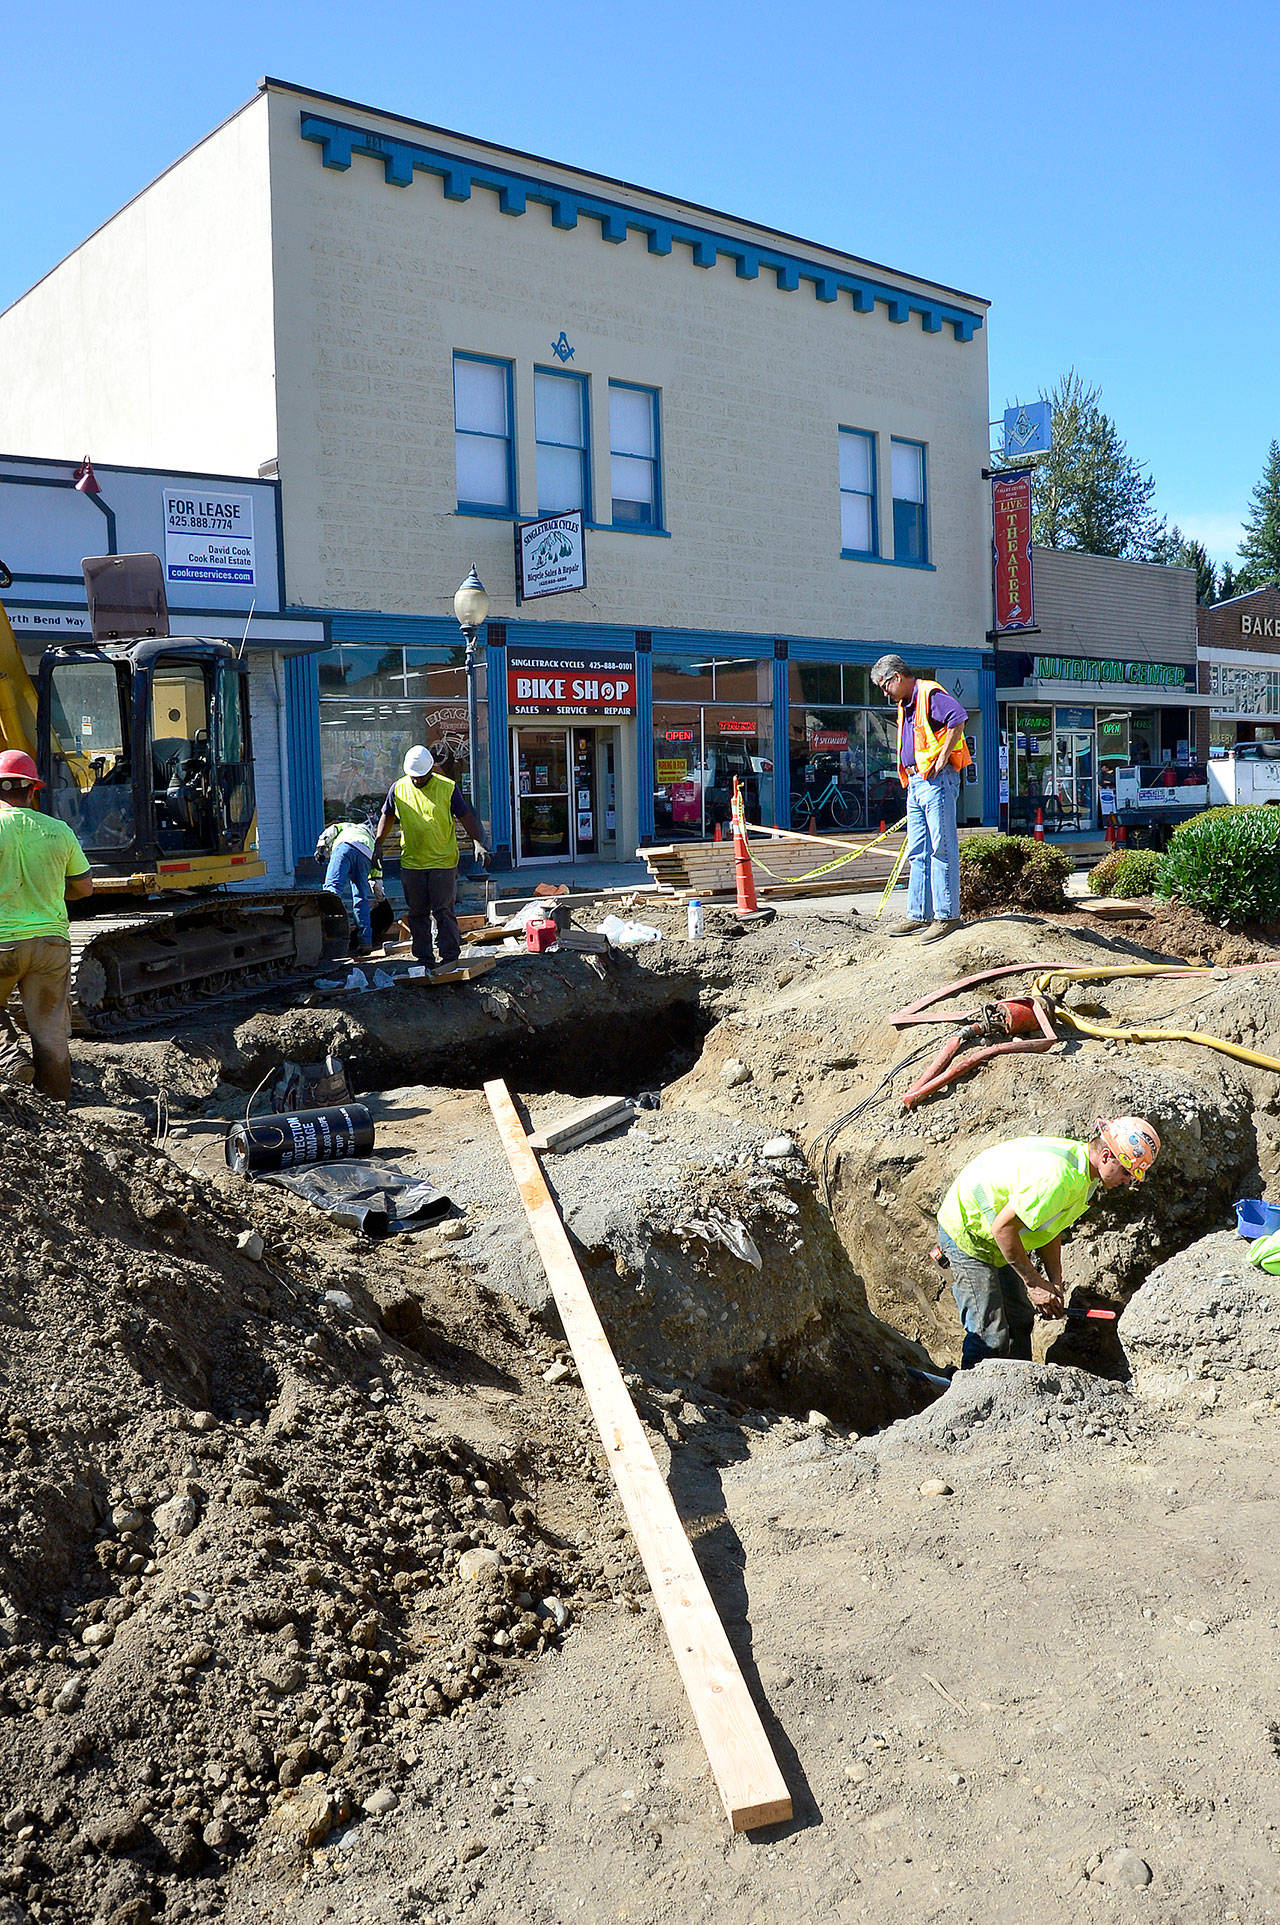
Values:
[(1205, 1324), (246, 1557)]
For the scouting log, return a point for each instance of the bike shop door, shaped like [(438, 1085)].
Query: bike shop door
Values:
[(565, 790)]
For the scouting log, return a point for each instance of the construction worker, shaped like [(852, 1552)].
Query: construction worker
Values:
[(932, 752), (42, 868), (1014, 1200), (426, 804), (348, 850)]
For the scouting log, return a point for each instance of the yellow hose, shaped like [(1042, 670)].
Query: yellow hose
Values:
[(1108, 1034)]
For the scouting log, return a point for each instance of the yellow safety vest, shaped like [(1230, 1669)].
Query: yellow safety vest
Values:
[(928, 739), (428, 839)]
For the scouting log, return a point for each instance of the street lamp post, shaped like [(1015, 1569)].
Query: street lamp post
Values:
[(471, 606)]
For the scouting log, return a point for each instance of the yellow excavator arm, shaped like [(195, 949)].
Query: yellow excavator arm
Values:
[(17, 693)]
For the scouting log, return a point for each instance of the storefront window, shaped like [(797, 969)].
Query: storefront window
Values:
[(1113, 739), (675, 680), (698, 750), (842, 749), (363, 741), (1144, 736)]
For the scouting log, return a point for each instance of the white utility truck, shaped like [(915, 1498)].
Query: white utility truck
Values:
[(1248, 773)]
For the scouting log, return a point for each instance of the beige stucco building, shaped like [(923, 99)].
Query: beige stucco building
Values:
[(776, 451)]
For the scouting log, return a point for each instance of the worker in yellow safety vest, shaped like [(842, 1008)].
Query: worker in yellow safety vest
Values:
[(1000, 1226), (932, 753), (426, 804)]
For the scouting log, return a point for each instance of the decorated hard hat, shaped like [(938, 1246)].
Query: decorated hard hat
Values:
[(17, 767), (1133, 1142), (419, 762)]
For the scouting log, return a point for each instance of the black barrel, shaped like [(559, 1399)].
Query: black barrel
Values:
[(302, 1136)]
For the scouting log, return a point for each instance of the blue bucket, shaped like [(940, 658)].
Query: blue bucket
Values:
[(1257, 1219)]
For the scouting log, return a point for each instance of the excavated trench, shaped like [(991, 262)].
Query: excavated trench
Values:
[(844, 1305)]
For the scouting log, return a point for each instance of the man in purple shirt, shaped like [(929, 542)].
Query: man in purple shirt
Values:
[(932, 753)]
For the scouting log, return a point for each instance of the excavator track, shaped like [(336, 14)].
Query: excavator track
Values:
[(128, 971)]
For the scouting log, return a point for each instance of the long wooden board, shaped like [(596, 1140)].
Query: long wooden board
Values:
[(751, 1786)]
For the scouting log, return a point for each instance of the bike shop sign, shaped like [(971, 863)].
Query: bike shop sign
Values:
[(208, 537), (828, 741), (555, 682), (550, 557)]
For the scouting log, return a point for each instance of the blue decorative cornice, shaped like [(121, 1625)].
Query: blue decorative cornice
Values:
[(401, 159)]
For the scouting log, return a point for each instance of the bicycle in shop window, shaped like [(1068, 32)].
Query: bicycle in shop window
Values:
[(832, 807)]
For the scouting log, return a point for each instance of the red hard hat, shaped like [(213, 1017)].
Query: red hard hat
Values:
[(15, 766)]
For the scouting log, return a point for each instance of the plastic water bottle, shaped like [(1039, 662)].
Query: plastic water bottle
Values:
[(697, 921)]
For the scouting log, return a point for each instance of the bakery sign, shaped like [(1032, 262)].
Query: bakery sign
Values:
[(544, 681)]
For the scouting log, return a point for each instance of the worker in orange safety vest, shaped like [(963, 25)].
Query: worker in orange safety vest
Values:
[(932, 753)]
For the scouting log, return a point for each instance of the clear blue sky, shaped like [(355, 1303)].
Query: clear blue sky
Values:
[(1106, 174)]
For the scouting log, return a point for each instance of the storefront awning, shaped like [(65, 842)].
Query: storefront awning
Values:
[(1108, 695)]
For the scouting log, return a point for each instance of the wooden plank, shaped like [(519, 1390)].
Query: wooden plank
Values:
[(751, 1786), (463, 972), (594, 1119)]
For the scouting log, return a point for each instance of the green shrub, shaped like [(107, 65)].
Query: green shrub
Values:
[(1221, 811), (1101, 879), (1011, 872), (1125, 873), (1226, 865), (1137, 873)]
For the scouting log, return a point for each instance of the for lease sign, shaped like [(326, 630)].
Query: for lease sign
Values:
[(208, 537), (546, 682)]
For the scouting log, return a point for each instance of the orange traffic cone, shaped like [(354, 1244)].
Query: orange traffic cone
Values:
[(746, 909), (743, 875), (1110, 830), (1121, 833), (717, 834), (883, 825), (1038, 831)]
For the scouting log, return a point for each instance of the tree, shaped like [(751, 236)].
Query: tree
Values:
[(1175, 550), (1260, 543), (1089, 492), (1228, 583)]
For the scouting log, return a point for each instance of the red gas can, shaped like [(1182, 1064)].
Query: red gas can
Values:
[(540, 934)]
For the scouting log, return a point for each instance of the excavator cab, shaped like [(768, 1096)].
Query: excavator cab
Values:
[(144, 739)]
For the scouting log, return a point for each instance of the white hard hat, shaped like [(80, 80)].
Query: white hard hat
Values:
[(419, 761)]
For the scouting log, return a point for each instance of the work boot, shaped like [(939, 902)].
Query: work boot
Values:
[(911, 927), (937, 930)]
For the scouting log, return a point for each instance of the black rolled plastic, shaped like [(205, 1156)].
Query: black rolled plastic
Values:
[(303, 1136)]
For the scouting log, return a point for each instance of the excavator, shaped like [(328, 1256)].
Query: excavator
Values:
[(142, 740)]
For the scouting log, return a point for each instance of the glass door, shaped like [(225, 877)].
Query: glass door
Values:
[(586, 800), (541, 768), (1074, 777)]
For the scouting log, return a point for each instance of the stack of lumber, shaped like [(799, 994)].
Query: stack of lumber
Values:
[(705, 869)]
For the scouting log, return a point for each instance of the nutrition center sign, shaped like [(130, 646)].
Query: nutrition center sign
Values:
[(556, 682)]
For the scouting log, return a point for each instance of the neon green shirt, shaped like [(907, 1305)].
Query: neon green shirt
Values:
[(1046, 1179), (37, 854)]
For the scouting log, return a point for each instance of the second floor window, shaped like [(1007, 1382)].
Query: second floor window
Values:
[(560, 426), (910, 532), (633, 456), (858, 533), (483, 443)]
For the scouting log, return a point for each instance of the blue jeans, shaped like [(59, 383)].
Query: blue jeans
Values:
[(993, 1303), (933, 847), (348, 877)]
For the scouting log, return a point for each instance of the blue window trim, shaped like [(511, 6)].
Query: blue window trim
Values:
[(871, 438), (600, 527), (339, 142), (479, 507), (905, 441), (584, 402), (659, 504), (888, 561)]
